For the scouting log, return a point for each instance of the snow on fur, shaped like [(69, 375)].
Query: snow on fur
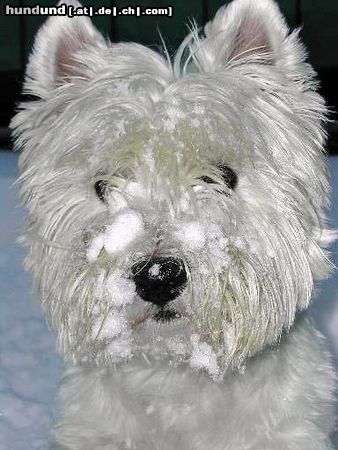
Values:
[(121, 290), (203, 357), (108, 326), (126, 227), (191, 235)]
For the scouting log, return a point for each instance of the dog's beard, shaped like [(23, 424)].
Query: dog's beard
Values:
[(248, 270), (230, 308)]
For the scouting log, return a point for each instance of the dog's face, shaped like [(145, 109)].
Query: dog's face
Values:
[(175, 209)]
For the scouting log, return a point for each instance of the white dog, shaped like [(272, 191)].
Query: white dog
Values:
[(176, 229)]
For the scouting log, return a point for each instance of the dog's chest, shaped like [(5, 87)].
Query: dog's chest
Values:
[(158, 406)]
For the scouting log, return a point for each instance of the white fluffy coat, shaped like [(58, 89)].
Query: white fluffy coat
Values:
[(241, 368)]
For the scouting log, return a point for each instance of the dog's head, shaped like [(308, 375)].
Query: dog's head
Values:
[(175, 207)]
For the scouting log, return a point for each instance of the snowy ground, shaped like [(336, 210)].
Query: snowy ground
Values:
[(30, 370)]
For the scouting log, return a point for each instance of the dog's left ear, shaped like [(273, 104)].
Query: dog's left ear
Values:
[(54, 61), (247, 31)]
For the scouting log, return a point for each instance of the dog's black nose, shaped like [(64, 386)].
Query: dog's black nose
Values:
[(160, 279)]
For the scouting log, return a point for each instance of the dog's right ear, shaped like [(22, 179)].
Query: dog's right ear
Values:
[(245, 32), (53, 61)]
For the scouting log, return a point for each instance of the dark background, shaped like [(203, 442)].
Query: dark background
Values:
[(318, 19)]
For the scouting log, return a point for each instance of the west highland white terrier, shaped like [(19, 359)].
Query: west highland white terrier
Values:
[(176, 229)]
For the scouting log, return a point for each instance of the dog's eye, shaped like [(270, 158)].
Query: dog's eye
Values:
[(229, 176), (207, 179), (101, 188)]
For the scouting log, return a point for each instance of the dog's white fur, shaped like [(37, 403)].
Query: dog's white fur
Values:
[(242, 368)]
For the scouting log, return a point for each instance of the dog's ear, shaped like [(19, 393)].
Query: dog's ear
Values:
[(53, 60), (247, 31)]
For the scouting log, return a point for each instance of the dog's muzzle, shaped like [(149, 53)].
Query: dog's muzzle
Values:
[(159, 279)]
